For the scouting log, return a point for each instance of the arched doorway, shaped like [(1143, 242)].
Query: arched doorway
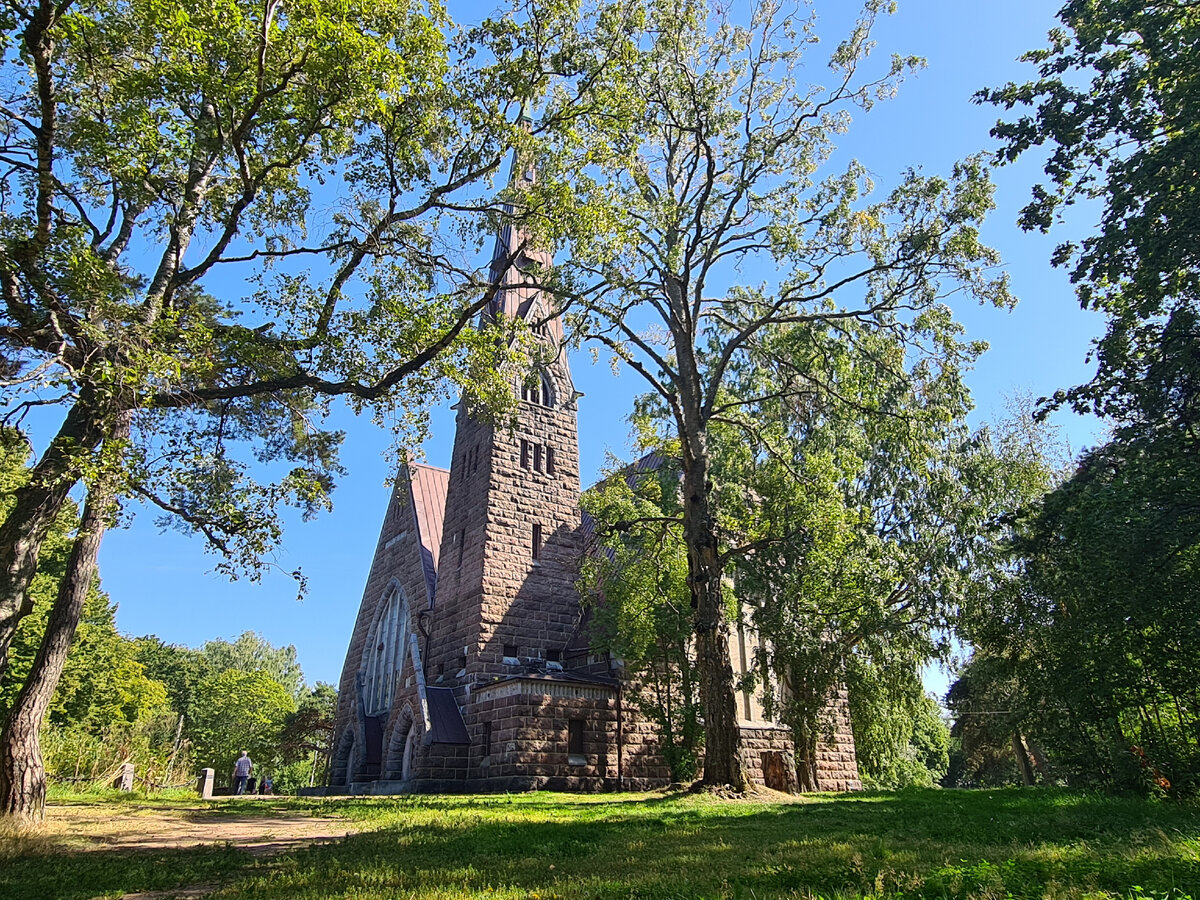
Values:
[(394, 768)]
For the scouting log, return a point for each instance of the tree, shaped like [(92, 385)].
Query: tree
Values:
[(155, 154), (637, 591), (717, 175), (900, 738), (179, 669), (253, 653), (308, 732), (1116, 103), (238, 711)]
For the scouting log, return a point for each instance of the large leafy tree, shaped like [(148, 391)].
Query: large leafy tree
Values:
[(238, 711), (1099, 626), (719, 174), (1116, 105), (218, 216)]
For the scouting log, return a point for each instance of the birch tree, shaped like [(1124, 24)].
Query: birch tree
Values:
[(730, 224)]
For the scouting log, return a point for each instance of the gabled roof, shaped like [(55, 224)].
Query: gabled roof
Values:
[(428, 485)]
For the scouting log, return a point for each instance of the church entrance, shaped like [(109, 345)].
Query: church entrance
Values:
[(372, 748)]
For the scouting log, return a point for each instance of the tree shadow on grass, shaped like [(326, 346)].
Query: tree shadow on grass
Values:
[(93, 873), (925, 844)]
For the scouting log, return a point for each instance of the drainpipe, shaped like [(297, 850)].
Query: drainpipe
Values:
[(620, 738)]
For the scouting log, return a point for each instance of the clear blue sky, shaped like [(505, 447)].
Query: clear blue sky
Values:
[(163, 581)]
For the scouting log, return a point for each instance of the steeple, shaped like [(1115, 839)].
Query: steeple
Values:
[(519, 259)]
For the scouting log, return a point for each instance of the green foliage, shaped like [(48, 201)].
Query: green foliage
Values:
[(237, 711), (900, 737), (637, 585), (306, 740), (1092, 636), (253, 653), (178, 668), (1116, 105), (915, 845)]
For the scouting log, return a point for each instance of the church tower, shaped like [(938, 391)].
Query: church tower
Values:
[(511, 545), (469, 668)]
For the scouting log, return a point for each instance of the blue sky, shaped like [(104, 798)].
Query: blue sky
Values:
[(164, 584)]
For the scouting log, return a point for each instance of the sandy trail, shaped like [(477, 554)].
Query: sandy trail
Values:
[(264, 829), (262, 832)]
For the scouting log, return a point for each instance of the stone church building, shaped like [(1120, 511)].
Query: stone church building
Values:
[(469, 668)]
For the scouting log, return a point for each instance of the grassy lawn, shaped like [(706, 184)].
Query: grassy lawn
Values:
[(924, 844)]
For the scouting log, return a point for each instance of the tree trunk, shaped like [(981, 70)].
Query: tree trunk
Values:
[(37, 504), (22, 775), (1023, 761), (722, 738)]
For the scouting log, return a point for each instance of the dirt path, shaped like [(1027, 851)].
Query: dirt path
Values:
[(262, 830)]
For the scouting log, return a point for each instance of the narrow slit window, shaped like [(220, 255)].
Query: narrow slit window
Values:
[(549, 460), (524, 453), (537, 540), (462, 544), (487, 738), (537, 457), (575, 737)]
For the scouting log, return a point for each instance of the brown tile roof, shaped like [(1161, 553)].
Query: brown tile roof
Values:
[(429, 485)]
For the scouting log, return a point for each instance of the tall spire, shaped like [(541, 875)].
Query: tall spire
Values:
[(517, 257)]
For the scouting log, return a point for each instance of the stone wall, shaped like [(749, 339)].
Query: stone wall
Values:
[(397, 558), (836, 762), (758, 743)]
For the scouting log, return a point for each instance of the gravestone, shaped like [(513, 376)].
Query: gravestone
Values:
[(124, 779), (205, 786)]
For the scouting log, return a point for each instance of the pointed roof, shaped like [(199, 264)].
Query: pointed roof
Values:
[(428, 485), (515, 258)]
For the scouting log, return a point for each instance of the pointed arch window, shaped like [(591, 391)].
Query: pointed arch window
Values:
[(383, 661), (538, 389)]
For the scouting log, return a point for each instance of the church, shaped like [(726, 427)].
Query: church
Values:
[(469, 667)]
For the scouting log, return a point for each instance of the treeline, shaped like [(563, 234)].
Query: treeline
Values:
[(166, 708), (863, 526)]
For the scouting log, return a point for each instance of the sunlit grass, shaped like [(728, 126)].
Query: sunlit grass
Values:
[(924, 844)]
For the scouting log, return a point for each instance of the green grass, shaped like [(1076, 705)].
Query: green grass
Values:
[(922, 844)]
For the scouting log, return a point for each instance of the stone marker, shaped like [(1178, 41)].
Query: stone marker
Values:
[(205, 786), (124, 779)]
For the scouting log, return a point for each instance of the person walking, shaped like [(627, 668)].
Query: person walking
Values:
[(241, 771)]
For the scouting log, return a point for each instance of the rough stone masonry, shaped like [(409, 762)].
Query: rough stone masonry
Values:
[(469, 668)]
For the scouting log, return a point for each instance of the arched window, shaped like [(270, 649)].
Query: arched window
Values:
[(538, 389), (387, 646)]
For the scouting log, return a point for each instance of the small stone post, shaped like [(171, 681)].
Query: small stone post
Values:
[(205, 786), (124, 779)]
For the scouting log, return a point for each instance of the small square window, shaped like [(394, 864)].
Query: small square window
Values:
[(511, 651), (553, 656)]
